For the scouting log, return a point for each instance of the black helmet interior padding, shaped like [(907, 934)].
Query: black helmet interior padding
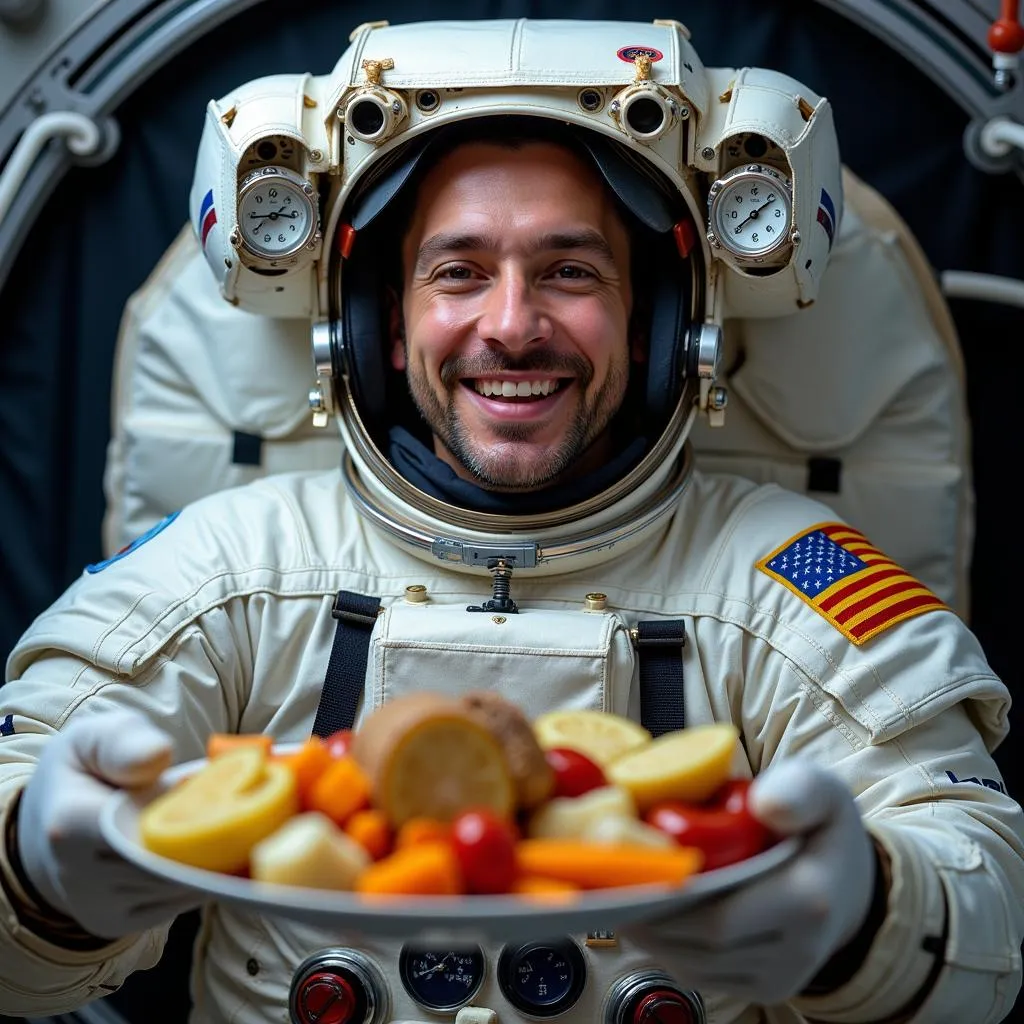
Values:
[(667, 279)]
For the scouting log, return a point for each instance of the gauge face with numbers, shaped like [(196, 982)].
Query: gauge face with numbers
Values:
[(542, 979), (441, 979), (750, 212), (277, 213)]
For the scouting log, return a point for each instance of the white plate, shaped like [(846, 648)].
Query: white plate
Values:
[(475, 918)]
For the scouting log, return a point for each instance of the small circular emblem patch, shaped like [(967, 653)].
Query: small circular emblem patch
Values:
[(630, 53)]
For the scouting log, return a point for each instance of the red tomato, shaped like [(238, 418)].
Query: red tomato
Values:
[(732, 796), (485, 846), (338, 743), (575, 773), (723, 829)]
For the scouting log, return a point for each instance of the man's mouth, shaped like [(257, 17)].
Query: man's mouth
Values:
[(515, 390)]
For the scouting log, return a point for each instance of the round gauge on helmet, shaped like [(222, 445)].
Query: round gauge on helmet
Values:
[(542, 979), (441, 979), (277, 213), (750, 213)]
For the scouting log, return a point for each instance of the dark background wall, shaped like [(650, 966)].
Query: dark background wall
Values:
[(106, 227)]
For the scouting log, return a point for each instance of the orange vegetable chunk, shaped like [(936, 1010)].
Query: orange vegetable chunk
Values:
[(371, 830), (605, 865), (309, 762), (422, 830), (425, 869), (340, 790)]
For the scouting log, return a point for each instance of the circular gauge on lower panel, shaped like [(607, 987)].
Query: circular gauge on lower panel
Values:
[(542, 979), (441, 979)]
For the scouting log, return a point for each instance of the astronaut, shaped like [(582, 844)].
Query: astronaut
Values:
[(518, 242)]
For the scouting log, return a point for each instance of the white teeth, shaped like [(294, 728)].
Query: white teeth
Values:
[(512, 389)]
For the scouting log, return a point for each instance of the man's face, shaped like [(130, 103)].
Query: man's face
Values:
[(516, 303)]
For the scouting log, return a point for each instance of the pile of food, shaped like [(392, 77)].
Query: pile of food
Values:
[(436, 795)]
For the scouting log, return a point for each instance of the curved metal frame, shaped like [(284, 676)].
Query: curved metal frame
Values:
[(108, 54)]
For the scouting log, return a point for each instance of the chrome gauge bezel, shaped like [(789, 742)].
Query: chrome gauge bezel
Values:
[(304, 193), (780, 250)]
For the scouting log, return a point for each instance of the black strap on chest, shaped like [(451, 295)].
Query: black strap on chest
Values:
[(659, 649), (355, 615)]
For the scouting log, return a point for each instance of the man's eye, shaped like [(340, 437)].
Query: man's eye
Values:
[(570, 272), (455, 273)]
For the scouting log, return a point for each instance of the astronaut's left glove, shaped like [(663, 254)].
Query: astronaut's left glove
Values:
[(766, 941)]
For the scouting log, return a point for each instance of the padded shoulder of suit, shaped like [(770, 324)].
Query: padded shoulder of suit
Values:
[(234, 543), (851, 619)]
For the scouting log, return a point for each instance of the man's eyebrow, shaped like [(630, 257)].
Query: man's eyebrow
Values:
[(584, 238)]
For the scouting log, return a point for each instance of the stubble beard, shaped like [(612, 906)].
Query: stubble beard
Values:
[(512, 463)]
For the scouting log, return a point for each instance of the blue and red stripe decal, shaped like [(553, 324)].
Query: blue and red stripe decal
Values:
[(827, 216), (207, 217)]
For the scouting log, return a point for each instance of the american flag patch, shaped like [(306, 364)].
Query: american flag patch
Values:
[(847, 581)]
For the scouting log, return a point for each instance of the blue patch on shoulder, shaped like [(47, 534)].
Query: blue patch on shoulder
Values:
[(137, 543), (7, 726)]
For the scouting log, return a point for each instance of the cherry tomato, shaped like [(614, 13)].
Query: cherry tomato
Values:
[(338, 743), (732, 796), (723, 829), (485, 846), (575, 773)]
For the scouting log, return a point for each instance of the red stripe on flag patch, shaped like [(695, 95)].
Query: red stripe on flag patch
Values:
[(855, 587)]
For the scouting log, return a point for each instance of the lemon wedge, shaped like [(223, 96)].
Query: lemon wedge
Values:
[(214, 818), (601, 735), (688, 765)]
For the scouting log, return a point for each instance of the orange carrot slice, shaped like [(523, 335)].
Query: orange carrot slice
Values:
[(422, 830), (340, 790), (599, 865), (426, 869), (309, 762), (371, 830)]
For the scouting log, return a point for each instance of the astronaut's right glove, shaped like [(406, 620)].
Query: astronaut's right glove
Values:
[(62, 853), (767, 940)]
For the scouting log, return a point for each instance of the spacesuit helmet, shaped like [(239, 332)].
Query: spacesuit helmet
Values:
[(669, 139)]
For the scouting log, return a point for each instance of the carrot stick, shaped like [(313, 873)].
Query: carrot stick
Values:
[(599, 865), (221, 742), (426, 869), (371, 830)]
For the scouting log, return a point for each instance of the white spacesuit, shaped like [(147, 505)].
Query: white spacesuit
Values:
[(670, 595)]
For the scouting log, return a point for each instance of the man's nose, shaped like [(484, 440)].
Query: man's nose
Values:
[(513, 314)]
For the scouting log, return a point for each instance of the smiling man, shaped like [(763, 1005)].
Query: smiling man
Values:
[(516, 308), (519, 320)]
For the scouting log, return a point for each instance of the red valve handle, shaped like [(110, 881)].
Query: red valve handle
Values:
[(326, 998), (1006, 35), (664, 1006)]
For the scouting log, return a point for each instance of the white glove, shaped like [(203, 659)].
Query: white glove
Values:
[(59, 842), (764, 941)]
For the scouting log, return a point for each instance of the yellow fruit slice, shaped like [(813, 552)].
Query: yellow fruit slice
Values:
[(441, 768), (601, 735), (426, 756), (688, 764), (213, 819)]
